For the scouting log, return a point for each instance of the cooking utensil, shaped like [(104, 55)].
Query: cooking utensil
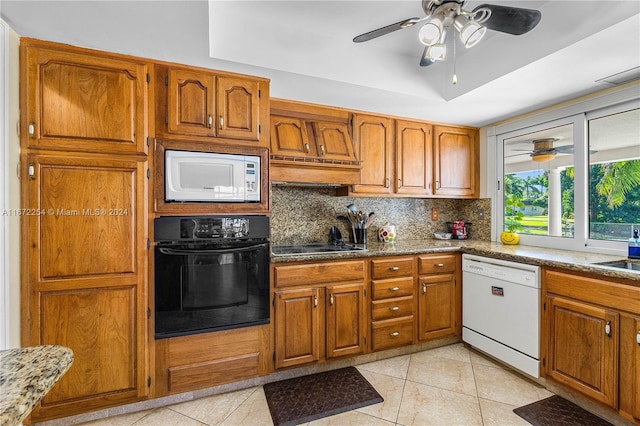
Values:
[(370, 220)]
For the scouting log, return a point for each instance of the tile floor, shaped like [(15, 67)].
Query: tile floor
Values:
[(450, 385)]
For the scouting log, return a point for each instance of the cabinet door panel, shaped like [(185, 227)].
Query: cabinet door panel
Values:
[(84, 102), (636, 366), (333, 141), (414, 147), (436, 302), (581, 352), (238, 108), (190, 100), (374, 143), (289, 136), (456, 168), (99, 326), (296, 327), (345, 319)]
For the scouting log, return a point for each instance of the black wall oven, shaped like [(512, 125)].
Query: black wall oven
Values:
[(211, 273)]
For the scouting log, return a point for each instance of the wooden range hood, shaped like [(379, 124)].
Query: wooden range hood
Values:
[(312, 144)]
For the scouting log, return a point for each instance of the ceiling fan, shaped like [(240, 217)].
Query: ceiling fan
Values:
[(544, 150), (443, 15)]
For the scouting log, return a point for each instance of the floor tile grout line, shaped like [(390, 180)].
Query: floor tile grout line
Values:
[(475, 384)]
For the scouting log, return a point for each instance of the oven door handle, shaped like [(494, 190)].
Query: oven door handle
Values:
[(175, 252)]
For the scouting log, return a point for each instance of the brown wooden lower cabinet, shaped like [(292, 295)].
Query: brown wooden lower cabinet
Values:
[(319, 311), (592, 338), (438, 296)]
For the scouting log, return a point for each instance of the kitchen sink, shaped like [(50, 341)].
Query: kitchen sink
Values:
[(314, 248), (622, 264)]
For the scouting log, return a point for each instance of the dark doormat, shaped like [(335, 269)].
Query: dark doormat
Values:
[(557, 411), (312, 397)]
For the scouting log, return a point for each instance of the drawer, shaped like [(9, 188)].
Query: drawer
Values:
[(435, 264), (385, 289), (389, 268), (316, 273), (392, 308), (391, 333)]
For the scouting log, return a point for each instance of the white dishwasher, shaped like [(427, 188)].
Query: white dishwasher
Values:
[(501, 310)]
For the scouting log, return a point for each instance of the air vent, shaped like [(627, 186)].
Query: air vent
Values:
[(621, 77)]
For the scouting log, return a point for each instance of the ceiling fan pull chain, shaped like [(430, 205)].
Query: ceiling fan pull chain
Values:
[(454, 80)]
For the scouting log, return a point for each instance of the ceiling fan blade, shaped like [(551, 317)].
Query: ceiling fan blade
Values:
[(511, 20), (424, 61), (386, 30)]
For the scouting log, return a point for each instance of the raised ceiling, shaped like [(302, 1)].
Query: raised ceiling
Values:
[(305, 48)]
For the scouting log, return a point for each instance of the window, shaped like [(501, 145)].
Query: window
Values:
[(572, 182)]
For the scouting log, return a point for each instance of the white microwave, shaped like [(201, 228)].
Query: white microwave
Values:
[(211, 177)]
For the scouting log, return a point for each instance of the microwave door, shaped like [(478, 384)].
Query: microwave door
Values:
[(206, 180)]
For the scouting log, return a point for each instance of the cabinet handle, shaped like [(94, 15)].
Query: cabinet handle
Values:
[(399, 183), (424, 288), (394, 288), (607, 329), (210, 121), (394, 308), (437, 185), (32, 171), (306, 147), (32, 129), (322, 150), (638, 337), (221, 122), (315, 301), (394, 334), (331, 299), (439, 265), (387, 182), (394, 268)]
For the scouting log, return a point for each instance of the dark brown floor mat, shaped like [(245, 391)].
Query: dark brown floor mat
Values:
[(557, 411), (307, 398)]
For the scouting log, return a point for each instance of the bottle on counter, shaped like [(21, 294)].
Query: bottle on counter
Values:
[(634, 246)]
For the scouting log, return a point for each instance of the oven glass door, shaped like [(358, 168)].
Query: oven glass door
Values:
[(210, 287)]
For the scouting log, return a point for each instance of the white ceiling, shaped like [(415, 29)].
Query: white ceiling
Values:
[(305, 48)]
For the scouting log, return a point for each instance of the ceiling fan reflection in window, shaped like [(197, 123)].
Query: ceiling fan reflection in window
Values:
[(544, 150), (443, 16)]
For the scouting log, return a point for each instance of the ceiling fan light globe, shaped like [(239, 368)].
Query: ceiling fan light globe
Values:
[(470, 31), (430, 32), (543, 158), (437, 52)]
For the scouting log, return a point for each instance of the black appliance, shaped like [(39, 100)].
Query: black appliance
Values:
[(211, 273)]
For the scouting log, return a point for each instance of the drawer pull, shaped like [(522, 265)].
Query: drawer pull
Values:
[(607, 329), (439, 265), (394, 288), (394, 308), (394, 268), (394, 334)]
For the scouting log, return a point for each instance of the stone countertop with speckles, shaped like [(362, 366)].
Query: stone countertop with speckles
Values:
[(26, 375), (565, 259)]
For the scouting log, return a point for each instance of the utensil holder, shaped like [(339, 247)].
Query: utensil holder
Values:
[(361, 236)]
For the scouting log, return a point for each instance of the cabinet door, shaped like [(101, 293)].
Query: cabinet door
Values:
[(583, 348), (289, 137), (84, 102), (191, 102), (414, 145), (333, 141), (374, 142), (636, 363), (238, 108), (456, 161), (297, 334), (437, 306), (345, 319), (85, 283)]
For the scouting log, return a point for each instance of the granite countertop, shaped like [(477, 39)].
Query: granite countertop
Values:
[(565, 259), (26, 375)]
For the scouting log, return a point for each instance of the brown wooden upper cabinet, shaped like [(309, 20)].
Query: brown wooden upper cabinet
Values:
[(196, 102), (456, 155), (396, 156), (84, 102)]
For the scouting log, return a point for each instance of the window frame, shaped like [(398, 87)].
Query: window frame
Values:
[(577, 112)]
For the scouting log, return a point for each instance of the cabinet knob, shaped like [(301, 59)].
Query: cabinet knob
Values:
[(394, 288), (394, 334), (394, 268), (394, 308), (607, 329)]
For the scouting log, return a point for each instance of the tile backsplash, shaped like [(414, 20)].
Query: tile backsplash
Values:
[(305, 215)]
